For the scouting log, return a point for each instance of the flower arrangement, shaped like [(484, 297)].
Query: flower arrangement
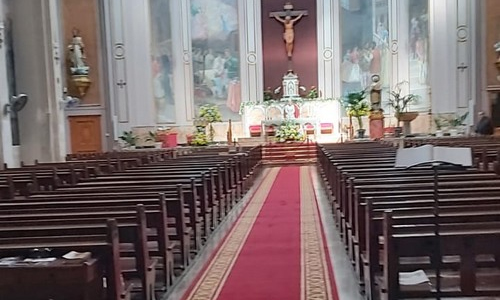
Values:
[(209, 114), (199, 139), (289, 131)]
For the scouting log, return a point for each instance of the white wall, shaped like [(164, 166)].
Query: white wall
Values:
[(452, 53), (38, 74)]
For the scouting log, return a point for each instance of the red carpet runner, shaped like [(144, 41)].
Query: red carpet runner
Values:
[(276, 249)]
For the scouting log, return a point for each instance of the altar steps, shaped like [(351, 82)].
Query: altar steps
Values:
[(251, 141), (289, 153)]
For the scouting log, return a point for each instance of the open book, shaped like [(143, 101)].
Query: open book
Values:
[(409, 157)]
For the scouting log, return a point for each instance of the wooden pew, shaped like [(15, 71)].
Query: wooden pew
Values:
[(166, 226), (134, 233), (466, 240), (105, 247)]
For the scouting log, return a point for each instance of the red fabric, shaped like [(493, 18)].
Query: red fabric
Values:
[(255, 128), (269, 263)]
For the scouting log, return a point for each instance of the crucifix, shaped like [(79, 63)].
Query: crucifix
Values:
[(285, 17)]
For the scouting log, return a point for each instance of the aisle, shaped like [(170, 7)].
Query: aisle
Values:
[(276, 249)]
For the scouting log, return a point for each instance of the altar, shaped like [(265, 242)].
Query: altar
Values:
[(318, 115), (313, 115)]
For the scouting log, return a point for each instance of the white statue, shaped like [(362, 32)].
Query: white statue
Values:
[(77, 55), (289, 110)]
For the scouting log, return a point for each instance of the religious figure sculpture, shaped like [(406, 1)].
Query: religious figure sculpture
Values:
[(376, 112), (77, 55), (78, 69), (289, 34), (289, 110), (288, 22)]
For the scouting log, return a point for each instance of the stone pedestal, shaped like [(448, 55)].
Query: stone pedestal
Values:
[(376, 128)]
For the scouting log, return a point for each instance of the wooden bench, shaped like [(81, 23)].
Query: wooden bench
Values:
[(105, 247)]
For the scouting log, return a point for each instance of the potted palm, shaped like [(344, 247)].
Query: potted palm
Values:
[(356, 106), (401, 105)]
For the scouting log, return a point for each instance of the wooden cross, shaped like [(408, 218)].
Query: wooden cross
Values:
[(288, 11)]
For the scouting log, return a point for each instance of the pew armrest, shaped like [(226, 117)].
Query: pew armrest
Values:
[(171, 246), (152, 264)]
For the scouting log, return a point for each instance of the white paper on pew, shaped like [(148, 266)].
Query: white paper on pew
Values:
[(408, 157), (77, 255), (413, 278), (37, 260)]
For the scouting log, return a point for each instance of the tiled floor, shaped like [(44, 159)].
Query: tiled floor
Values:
[(344, 275)]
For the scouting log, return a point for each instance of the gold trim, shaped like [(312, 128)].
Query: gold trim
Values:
[(315, 276), (210, 284)]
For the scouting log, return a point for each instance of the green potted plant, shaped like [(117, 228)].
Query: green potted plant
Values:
[(356, 106), (210, 114), (129, 138), (457, 121)]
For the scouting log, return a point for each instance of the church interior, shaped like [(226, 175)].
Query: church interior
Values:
[(249, 149)]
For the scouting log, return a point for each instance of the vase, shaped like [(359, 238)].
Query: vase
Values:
[(361, 133)]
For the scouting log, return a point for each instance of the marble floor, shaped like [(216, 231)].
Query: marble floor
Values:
[(344, 274)]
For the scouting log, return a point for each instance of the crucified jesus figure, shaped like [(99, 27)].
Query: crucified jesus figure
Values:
[(289, 34)]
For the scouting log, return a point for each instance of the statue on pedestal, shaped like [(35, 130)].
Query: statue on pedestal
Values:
[(79, 69), (77, 55), (376, 112)]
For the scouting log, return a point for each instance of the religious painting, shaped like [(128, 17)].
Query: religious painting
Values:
[(161, 61), (419, 52), (216, 64), (365, 40)]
